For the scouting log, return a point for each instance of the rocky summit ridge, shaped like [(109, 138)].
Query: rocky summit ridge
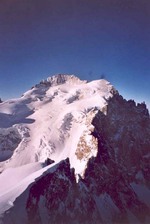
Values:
[(80, 154), (61, 79)]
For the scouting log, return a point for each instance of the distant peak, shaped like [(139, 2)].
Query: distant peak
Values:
[(61, 79)]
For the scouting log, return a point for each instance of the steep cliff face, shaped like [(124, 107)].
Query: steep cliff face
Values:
[(121, 168), (126, 129), (114, 187)]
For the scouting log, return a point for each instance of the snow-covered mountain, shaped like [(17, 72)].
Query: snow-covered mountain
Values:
[(73, 151)]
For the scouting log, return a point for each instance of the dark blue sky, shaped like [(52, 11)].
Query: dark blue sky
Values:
[(39, 38)]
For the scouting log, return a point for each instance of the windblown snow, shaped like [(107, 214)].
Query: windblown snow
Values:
[(51, 120)]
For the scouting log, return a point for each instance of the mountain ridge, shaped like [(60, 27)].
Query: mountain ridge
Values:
[(101, 142)]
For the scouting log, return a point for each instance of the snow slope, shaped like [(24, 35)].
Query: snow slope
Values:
[(52, 120)]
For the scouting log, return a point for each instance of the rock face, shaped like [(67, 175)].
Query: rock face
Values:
[(122, 163), (9, 139), (113, 184)]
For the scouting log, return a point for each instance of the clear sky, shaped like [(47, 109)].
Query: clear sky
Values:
[(39, 38)]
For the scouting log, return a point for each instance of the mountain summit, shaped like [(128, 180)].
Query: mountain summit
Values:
[(70, 148), (61, 79)]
